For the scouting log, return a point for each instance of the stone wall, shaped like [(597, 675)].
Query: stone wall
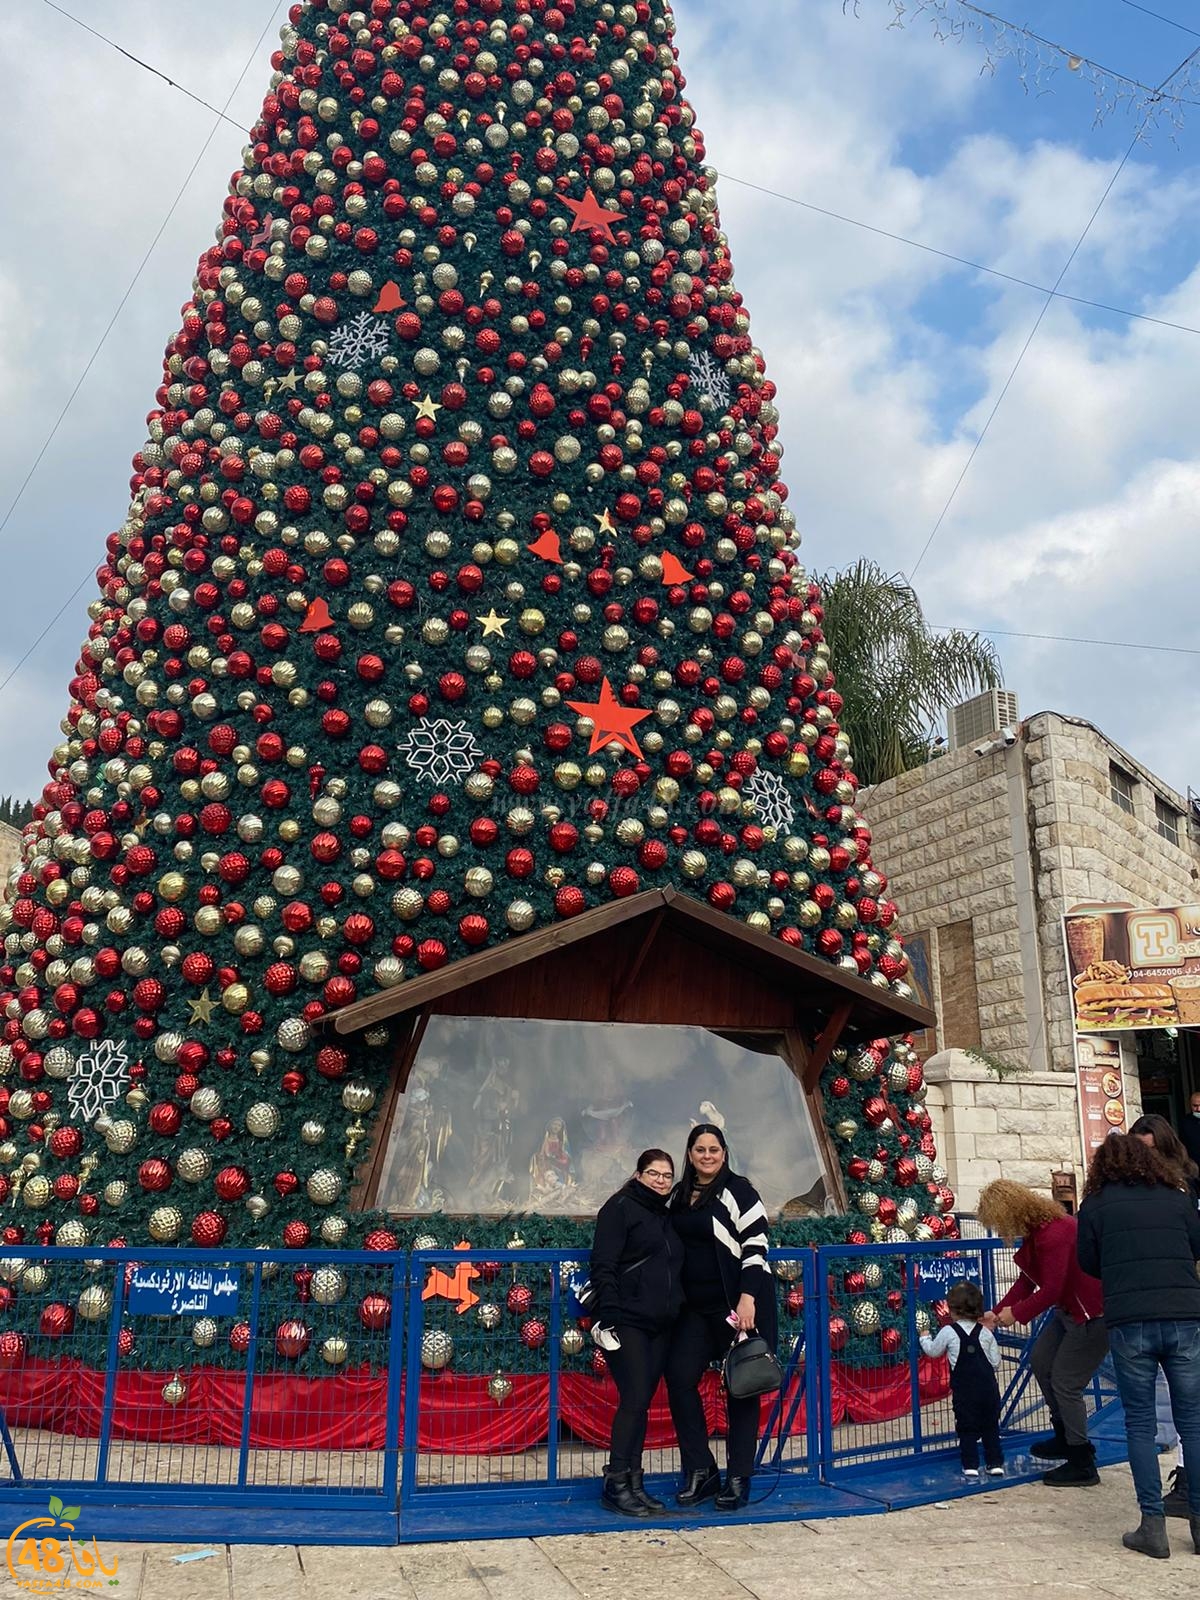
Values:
[(952, 842), (1022, 1127), (1085, 848)]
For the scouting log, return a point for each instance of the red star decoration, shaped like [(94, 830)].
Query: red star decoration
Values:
[(612, 721), (589, 213)]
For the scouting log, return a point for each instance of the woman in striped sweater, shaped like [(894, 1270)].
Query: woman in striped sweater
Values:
[(727, 1289)]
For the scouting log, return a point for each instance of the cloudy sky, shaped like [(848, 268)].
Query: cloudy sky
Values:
[(1080, 513)]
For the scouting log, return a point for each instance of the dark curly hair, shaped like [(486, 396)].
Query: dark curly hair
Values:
[(1123, 1159)]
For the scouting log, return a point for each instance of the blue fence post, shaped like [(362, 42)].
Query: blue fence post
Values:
[(391, 1425), (251, 1363), (812, 1367), (412, 1377), (110, 1370), (555, 1352), (914, 1350), (824, 1359)]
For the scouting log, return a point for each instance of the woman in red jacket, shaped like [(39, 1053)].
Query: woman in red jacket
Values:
[(1073, 1342)]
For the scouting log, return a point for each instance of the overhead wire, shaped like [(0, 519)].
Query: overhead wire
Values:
[(1158, 16), (1075, 249)]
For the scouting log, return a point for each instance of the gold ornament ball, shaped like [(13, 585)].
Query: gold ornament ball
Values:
[(867, 1202), (71, 1233), (328, 1286), (193, 1165), (845, 1128), (873, 1275), (323, 1186), (94, 1302), (312, 1131), (499, 1388), (864, 1316), (204, 1333), (120, 1137), (166, 1224), (358, 1098), (572, 1342), (334, 1230), (437, 1349), (235, 999), (175, 1392), (35, 1278), (334, 1350), (488, 1316), (922, 1320), (262, 1120), (520, 916), (36, 1192)]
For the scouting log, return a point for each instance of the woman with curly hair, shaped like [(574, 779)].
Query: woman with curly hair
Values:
[(1141, 1233), (1073, 1342)]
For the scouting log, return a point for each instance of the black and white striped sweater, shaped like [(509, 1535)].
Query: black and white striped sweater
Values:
[(739, 1224)]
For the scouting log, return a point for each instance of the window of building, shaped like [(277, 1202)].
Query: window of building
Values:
[(1166, 820), (1121, 785), (505, 1114)]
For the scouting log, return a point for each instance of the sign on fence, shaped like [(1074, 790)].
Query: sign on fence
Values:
[(172, 1291), (935, 1274)]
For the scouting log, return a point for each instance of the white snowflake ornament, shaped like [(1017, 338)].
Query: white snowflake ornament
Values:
[(768, 794), (709, 377), (361, 340), (439, 751), (98, 1079)]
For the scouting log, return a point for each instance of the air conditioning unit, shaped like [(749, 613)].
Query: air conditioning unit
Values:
[(983, 717)]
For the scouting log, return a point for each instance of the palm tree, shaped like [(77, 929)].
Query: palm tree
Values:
[(896, 675)]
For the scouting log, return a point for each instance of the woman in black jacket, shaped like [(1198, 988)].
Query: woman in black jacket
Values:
[(728, 1290), (1139, 1232), (636, 1274)]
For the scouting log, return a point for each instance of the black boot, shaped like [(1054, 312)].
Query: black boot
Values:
[(1078, 1471), (1175, 1501), (639, 1492), (618, 1496), (734, 1495), (1196, 1536), (697, 1486), (1052, 1449), (1149, 1538)]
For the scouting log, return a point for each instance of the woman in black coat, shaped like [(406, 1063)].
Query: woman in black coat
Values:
[(636, 1275), (1139, 1232), (728, 1289)]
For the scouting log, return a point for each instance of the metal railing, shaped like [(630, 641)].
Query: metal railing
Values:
[(354, 1379)]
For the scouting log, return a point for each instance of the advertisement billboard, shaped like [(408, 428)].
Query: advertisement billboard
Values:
[(1133, 968)]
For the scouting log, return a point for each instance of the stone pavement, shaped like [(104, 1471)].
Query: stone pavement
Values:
[(1026, 1543)]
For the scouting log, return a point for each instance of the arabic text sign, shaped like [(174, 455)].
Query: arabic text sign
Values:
[(168, 1291), (935, 1274)]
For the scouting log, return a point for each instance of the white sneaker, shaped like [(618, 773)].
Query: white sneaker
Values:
[(995, 1472), (972, 1473)]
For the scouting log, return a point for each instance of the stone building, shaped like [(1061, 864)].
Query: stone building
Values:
[(986, 847)]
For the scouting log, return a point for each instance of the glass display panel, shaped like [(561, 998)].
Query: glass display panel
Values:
[(504, 1114)]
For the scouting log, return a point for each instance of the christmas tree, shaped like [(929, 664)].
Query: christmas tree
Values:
[(458, 593)]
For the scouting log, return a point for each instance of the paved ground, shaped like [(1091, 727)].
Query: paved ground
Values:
[(1026, 1543)]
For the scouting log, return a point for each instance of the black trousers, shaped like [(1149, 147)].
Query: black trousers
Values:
[(977, 1421), (1064, 1359), (700, 1338), (636, 1368)]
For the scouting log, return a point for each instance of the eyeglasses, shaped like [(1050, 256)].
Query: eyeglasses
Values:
[(659, 1176)]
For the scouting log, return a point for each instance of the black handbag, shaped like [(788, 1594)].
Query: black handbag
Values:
[(750, 1368)]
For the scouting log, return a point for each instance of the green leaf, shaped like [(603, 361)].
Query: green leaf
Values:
[(71, 1513), (56, 1506)]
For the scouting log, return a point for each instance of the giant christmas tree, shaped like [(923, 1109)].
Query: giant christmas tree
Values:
[(458, 593)]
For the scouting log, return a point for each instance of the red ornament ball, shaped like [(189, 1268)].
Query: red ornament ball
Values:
[(839, 1333), (793, 1302), (890, 1340), (12, 1349), (208, 1228), (239, 1337), (519, 1299), (382, 1239), (292, 1339), (56, 1320), (533, 1333), (375, 1312), (231, 1183)]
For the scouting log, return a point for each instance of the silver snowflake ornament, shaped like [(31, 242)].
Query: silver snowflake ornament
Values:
[(355, 343), (439, 751), (768, 794), (709, 377), (98, 1079)]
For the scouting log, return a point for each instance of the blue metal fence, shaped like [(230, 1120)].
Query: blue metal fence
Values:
[(225, 1391)]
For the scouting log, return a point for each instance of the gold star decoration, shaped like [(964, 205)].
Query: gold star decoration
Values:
[(493, 625), (604, 518), (202, 1009), (289, 382), (428, 407)]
